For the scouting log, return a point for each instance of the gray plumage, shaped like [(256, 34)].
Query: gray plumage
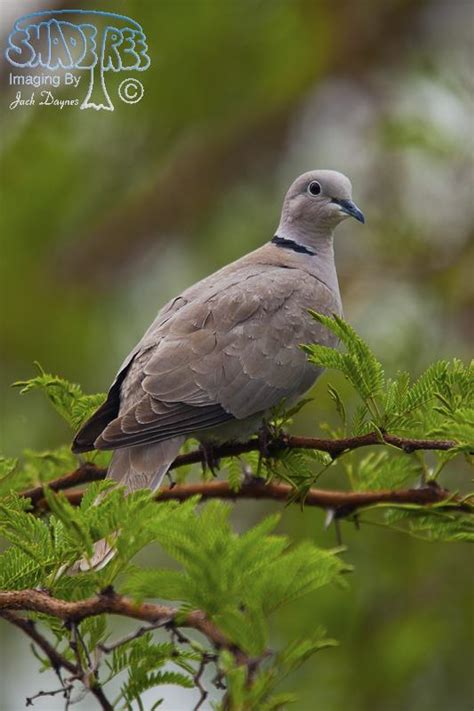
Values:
[(226, 351)]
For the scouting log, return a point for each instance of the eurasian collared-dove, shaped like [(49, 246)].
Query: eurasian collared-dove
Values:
[(220, 356)]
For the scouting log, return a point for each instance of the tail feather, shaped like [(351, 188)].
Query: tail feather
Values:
[(141, 467)]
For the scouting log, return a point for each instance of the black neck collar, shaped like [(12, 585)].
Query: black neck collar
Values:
[(290, 244)]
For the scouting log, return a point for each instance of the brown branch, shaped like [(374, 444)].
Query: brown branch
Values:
[(84, 474), (57, 660), (108, 602), (114, 604), (139, 632), (29, 628), (335, 447), (342, 502)]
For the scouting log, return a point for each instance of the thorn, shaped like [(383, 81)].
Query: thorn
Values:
[(330, 515)]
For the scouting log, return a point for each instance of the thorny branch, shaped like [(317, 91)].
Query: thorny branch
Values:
[(339, 500), (111, 603), (108, 602), (59, 662), (337, 503), (340, 503), (343, 503)]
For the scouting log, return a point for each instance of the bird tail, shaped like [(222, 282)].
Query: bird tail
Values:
[(140, 467)]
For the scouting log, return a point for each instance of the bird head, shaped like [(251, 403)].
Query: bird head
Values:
[(318, 201)]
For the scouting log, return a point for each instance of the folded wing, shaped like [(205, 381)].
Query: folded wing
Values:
[(228, 355)]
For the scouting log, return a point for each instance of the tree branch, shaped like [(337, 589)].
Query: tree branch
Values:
[(111, 603), (335, 447), (29, 628), (57, 660), (343, 503), (339, 503)]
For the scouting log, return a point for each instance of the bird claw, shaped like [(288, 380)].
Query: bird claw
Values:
[(172, 482), (210, 460), (266, 435)]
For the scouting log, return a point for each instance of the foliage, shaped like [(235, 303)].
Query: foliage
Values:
[(67, 398), (439, 401), (261, 694), (237, 580)]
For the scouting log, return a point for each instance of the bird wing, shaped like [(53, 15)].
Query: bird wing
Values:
[(231, 350)]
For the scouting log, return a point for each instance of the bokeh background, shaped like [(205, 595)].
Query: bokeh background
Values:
[(107, 215)]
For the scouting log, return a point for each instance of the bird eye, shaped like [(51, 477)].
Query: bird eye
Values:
[(314, 188)]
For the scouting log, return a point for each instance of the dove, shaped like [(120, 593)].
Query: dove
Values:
[(222, 355)]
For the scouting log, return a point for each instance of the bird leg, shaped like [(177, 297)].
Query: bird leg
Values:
[(265, 436), (172, 482), (210, 460)]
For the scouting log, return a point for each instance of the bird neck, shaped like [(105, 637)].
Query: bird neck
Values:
[(315, 250), (318, 242)]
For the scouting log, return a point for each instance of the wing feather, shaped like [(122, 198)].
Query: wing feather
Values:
[(223, 351)]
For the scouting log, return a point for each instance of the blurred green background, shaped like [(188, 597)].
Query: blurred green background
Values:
[(107, 215)]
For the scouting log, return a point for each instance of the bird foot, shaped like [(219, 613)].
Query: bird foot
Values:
[(172, 482), (265, 437), (210, 460)]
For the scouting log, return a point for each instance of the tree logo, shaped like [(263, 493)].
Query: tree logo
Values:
[(65, 40)]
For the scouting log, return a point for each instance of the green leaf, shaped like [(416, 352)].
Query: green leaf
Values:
[(237, 580), (340, 407), (234, 473), (384, 470), (67, 398), (358, 364), (32, 554)]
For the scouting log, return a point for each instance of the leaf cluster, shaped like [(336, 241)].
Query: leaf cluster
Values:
[(66, 398), (237, 580), (439, 402)]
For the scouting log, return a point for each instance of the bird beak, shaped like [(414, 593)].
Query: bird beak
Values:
[(350, 208)]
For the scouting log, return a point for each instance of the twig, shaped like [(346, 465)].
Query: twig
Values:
[(108, 648), (57, 660), (111, 603), (72, 613), (29, 628), (65, 690), (89, 472), (343, 502), (74, 645), (198, 684)]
